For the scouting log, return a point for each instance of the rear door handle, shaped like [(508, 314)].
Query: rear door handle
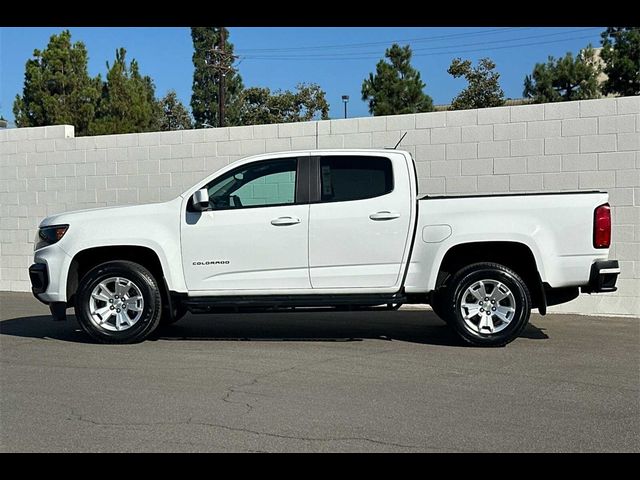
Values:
[(281, 221), (385, 215)]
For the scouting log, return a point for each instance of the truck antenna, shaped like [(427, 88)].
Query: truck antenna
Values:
[(401, 138)]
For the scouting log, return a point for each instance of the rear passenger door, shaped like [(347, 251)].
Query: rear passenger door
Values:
[(359, 220)]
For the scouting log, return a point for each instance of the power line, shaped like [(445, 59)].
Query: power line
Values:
[(450, 52), (419, 49), (386, 42)]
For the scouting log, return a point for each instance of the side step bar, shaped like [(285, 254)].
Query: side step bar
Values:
[(246, 303)]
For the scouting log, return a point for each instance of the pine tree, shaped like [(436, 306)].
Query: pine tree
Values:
[(564, 79), (483, 89), (204, 98), (621, 54), (127, 103), (174, 115), (57, 87), (396, 87)]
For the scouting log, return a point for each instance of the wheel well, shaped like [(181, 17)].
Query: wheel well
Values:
[(516, 256), (87, 259)]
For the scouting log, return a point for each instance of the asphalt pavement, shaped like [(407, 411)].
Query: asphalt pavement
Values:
[(317, 382)]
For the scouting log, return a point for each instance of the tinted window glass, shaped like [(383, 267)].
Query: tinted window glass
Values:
[(354, 178), (262, 183)]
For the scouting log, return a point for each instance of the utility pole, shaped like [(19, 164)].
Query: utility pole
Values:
[(221, 62), (221, 79)]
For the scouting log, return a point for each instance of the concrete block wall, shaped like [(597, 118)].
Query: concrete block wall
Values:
[(592, 144)]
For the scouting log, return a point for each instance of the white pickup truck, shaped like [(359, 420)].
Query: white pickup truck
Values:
[(340, 229)]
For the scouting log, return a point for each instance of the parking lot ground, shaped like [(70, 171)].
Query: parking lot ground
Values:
[(317, 382)]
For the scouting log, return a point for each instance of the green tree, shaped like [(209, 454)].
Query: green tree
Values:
[(57, 87), (204, 98), (564, 79), (483, 89), (396, 87), (257, 106), (621, 55), (174, 115), (127, 103)]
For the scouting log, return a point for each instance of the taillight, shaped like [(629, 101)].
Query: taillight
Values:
[(602, 226)]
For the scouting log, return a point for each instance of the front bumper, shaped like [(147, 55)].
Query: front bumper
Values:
[(49, 274), (39, 276), (603, 277)]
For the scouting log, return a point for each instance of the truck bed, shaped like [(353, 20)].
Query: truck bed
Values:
[(557, 228), (509, 194)]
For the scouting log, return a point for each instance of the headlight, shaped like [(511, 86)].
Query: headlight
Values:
[(49, 235)]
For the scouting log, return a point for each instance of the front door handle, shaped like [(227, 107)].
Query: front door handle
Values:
[(386, 215), (280, 221)]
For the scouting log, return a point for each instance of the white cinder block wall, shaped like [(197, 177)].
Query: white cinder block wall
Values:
[(593, 144)]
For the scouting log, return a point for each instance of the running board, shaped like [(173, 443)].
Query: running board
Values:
[(246, 303)]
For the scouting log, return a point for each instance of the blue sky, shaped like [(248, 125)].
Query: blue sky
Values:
[(337, 58)]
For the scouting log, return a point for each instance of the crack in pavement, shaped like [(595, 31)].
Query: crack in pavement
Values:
[(306, 439), (73, 416), (76, 417), (236, 388)]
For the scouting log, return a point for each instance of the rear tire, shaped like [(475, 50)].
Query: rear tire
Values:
[(487, 304), (118, 302)]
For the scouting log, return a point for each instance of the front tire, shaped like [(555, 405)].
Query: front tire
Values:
[(489, 304), (118, 302)]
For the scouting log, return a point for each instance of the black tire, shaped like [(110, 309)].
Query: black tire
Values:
[(467, 277), (151, 310)]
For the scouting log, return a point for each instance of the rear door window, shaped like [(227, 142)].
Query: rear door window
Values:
[(346, 178)]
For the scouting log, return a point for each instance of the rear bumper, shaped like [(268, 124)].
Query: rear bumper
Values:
[(603, 277)]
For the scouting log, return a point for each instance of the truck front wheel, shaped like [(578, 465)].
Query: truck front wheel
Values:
[(489, 304), (118, 302)]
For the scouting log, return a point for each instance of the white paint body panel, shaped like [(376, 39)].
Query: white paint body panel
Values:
[(558, 229), (335, 248), (155, 226), (260, 256), (347, 249)]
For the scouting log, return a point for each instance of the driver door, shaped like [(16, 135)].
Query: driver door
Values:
[(255, 236)]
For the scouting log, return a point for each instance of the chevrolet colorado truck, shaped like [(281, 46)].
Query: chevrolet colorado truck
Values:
[(341, 229)]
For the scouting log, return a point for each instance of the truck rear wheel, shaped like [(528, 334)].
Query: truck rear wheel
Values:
[(118, 302), (489, 304)]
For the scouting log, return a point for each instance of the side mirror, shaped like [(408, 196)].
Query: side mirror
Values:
[(201, 200)]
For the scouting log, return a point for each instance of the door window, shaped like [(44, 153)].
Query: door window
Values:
[(258, 184), (345, 178)]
